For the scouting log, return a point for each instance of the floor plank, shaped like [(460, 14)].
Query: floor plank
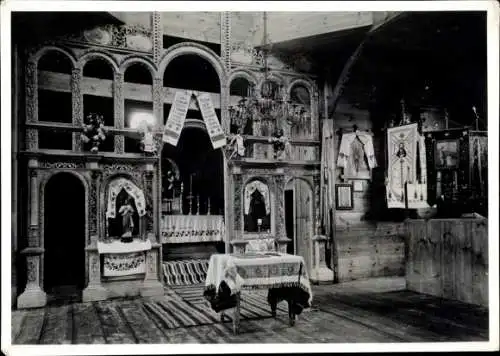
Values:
[(32, 327), (404, 332), (87, 325), (145, 329), (115, 327), (17, 321), (347, 314), (58, 328)]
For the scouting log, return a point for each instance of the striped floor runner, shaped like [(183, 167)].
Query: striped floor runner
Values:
[(189, 308), (185, 272)]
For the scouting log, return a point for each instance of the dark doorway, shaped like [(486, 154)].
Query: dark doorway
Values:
[(64, 261), (289, 219)]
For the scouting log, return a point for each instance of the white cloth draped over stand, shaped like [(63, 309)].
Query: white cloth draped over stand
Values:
[(345, 148)]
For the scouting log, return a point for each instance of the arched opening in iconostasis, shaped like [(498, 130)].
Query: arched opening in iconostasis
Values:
[(99, 70), (64, 238), (192, 174), (299, 218)]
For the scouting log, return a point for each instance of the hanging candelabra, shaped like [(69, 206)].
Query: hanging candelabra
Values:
[(270, 103)]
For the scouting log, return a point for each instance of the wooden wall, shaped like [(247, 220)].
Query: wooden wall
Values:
[(367, 241), (448, 258), (369, 250)]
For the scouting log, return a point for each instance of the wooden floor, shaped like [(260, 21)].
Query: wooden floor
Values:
[(376, 310)]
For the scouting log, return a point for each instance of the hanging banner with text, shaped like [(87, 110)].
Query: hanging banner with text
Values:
[(176, 117), (211, 121)]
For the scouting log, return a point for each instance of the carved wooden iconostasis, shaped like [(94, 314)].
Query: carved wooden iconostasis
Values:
[(114, 88)]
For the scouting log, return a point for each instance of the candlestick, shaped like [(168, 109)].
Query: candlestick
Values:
[(198, 204), (208, 207)]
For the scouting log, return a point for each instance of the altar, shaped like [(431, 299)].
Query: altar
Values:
[(284, 275), (176, 229)]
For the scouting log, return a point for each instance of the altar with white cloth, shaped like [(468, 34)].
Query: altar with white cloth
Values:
[(176, 229), (284, 275)]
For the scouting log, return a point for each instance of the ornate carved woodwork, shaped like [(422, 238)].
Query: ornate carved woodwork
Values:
[(279, 183), (148, 193), (157, 37), (31, 139), (31, 88), (93, 196), (56, 164), (77, 106)]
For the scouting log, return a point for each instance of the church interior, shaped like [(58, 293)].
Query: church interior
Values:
[(335, 163)]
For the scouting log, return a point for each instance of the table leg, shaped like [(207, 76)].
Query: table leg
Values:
[(236, 316), (274, 306), (291, 314)]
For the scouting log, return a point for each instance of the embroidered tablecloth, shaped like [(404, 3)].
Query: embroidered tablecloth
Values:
[(123, 259), (260, 270), (192, 228)]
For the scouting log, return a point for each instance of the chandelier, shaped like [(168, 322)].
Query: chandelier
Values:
[(268, 104)]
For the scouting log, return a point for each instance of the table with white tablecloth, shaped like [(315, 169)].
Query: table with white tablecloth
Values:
[(284, 275)]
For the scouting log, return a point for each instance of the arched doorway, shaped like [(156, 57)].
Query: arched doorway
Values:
[(192, 171), (64, 238), (299, 219), (192, 191)]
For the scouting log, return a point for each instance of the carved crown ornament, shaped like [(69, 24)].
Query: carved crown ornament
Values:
[(132, 37)]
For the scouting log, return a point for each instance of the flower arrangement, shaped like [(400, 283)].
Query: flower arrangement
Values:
[(280, 144), (93, 131)]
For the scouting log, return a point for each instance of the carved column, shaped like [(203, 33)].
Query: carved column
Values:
[(158, 102), (315, 116), (148, 193), (33, 231), (320, 272), (281, 238), (93, 199), (33, 296), (119, 112), (31, 105), (94, 291), (157, 36), (225, 39), (237, 204), (152, 285), (317, 198), (77, 107)]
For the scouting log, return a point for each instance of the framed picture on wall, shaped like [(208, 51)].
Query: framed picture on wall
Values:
[(447, 154), (344, 196)]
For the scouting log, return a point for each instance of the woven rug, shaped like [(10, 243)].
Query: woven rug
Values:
[(185, 272), (185, 306)]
